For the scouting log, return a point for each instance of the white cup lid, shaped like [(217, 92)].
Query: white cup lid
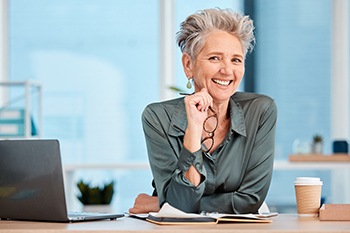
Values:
[(308, 181)]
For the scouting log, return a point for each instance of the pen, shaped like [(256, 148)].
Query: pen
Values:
[(184, 93)]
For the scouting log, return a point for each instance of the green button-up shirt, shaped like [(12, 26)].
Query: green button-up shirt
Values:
[(235, 177)]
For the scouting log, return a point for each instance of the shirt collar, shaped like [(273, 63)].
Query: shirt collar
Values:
[(237, 117), (178, 122)]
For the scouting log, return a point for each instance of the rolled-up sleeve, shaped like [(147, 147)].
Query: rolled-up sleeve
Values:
[(169, 162)]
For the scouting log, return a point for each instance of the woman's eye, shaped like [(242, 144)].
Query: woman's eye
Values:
[(214, 58), (236, 60)]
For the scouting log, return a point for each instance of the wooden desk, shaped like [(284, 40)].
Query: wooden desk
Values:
[(282, 223)]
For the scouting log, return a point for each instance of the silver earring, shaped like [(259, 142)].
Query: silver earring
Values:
[(189, 84)]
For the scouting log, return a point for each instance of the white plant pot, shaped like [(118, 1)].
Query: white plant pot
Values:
[(317, 148)]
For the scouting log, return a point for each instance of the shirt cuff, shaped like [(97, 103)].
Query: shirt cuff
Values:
[(187, 159)]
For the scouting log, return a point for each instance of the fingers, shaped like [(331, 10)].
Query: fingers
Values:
[(201, 100), (137, 209), (145, 203)]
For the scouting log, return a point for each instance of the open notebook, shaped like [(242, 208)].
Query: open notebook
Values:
[(31, 183), (169, 215)]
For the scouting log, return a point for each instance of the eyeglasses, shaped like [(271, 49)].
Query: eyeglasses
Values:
[(209, 130)]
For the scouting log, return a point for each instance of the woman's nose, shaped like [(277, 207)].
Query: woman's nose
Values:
[(226, 69)]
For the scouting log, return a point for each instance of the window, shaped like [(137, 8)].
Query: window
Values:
[(98, 63), (292, 59)]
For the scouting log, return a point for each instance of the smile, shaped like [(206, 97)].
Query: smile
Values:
[(222, 83)]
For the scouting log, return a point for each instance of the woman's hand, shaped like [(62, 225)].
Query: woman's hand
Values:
[(196, 110), (199, 100), (145, 203), (197, 106)]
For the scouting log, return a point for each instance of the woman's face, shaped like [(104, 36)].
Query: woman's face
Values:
[(219, 66)]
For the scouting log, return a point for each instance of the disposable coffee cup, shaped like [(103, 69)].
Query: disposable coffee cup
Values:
[(308, 195)]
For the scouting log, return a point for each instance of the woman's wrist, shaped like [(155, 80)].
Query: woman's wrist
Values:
[(192, 140)]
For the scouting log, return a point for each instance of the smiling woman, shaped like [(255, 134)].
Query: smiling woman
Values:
[(219, 66), (231, 173)]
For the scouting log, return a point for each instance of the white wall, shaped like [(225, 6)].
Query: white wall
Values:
[(340, 71), (340, 115)]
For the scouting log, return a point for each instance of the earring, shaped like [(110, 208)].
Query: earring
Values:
[(189, 84)]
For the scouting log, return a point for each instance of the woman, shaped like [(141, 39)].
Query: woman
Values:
[(211, 150)]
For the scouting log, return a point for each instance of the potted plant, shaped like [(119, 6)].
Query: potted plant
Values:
[(317, 144), (96, 198)]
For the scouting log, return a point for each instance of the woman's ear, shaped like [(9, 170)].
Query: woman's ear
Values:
[(187, 64)]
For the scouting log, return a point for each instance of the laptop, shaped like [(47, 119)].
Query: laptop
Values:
[(31, 183)]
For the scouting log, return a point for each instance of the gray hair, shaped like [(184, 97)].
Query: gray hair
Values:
[(196, 27)]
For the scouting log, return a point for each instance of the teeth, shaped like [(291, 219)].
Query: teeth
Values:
[(224, 83)]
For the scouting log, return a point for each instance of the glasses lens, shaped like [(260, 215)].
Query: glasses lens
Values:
[(210, 129), (207, 144)]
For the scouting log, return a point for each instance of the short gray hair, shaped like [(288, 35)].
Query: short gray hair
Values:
[(196, 27)]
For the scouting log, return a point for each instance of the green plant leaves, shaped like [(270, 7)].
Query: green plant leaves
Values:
[(95, 195)]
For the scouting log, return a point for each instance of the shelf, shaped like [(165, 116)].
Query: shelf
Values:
[(319, 158), (18, 119)]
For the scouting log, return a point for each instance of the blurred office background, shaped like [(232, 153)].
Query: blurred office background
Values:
[(100, 62)]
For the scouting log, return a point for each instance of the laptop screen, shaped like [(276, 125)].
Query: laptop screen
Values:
[(31, 180)]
